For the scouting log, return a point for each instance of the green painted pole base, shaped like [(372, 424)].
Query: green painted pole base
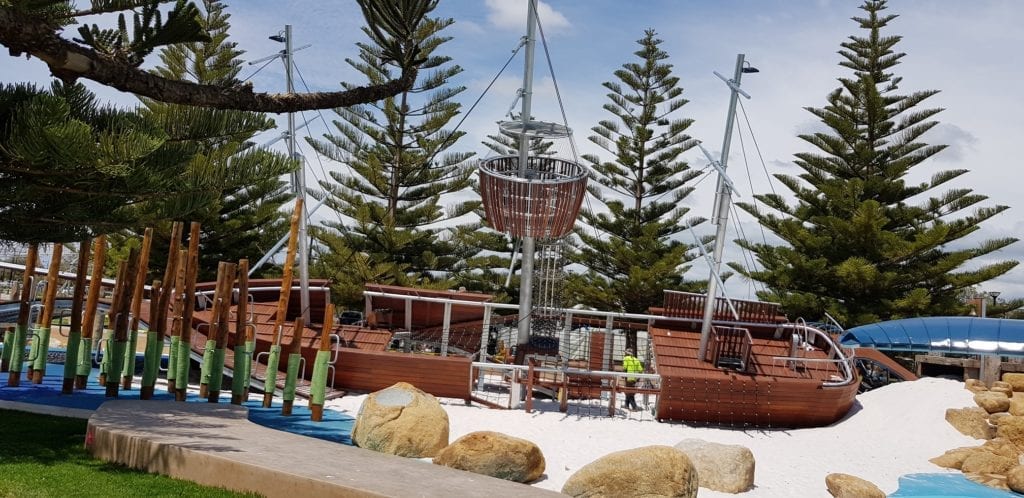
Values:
[(182, 368), (206, 368), (71, 362), (84, 363), (216, 375), (318, 385), (150, 365), (270, 382), (290, 380), (5, 357), (250, 348), (172, 373), (108, 341), (128, 370), (116, 355), (42, 354), (17, 357)]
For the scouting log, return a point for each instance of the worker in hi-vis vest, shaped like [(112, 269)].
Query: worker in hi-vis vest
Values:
[(631, 365)]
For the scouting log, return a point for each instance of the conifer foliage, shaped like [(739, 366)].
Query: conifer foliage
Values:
[(631, 250), (245, 219), (861, 241), (394, 227)]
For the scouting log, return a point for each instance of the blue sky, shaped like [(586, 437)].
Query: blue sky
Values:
[(968, 50)]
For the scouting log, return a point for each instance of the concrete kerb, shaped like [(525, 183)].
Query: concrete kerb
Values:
[(40, 409), (216, 445)]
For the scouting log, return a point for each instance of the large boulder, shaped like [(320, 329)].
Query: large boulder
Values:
[(1017, 406), (494, 454), (1002, 446), (401, 420), (954, 459), (720, 467), (646, 471), (975, 385), (992, 401), (984, 462), (1015, 380), (1012, 428), (847, 486), (1015, 479), (971, 422)]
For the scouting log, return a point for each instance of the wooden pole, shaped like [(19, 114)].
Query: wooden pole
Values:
[(22, 327), (43, 326), (99, 258), (183, 360), (169, 278), (133, 339), (75, 331), (121, 322), (270, 382), (158, 317), (318, 382), (243, 361), (294, 361), (178, 309), (221, 333)]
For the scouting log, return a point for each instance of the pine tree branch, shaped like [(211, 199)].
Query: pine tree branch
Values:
[(29, 35)]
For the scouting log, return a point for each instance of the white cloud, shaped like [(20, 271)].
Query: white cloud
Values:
[(959, 141), (510, 14)]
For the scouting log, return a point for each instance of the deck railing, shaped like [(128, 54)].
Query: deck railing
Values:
[(840, 359), (730, 347)]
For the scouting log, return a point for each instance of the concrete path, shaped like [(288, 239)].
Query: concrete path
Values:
[(216, 445)]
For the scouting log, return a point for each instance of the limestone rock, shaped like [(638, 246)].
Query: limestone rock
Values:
[(1008, 391), (984, 462), (975, 385), (997, 481), (847, 486), (1015, 380), (1017, 405), (401, 420), (1012, 428), (996, 417), (971, 422), (993, 402), (494, 454), (1002, 385), (954, 459), (1002, 446), (720, 467), (646, 471), (1015, 479)]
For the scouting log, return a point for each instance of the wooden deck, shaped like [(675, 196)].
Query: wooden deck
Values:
[(768, 393), (367, 366)]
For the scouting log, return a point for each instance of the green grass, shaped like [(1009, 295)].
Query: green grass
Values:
[(44, 456)]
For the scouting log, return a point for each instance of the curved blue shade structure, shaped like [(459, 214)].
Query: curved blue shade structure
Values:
[(941, 334)]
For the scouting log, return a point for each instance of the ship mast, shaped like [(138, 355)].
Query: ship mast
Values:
[(529, 248), (298, 178), (723, 201)]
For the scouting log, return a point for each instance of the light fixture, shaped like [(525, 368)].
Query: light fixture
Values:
[(747, 68), (278, 38)]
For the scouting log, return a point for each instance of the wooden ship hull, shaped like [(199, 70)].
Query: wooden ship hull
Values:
[(777, 382)]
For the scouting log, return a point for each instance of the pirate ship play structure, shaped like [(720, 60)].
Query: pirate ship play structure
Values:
[(709, 359)]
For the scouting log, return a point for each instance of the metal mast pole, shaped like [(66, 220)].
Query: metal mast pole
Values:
[(526, 272), (298, 183), (720, 215)]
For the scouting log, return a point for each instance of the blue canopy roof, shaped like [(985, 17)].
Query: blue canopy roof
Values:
[(941, 334)]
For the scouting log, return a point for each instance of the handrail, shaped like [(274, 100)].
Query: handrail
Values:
[(843, 362)]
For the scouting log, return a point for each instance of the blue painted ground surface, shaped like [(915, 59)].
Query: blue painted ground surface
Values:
[(945, 486), (336, 427)]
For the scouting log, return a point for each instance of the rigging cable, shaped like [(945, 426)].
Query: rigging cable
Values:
[(565, 121)]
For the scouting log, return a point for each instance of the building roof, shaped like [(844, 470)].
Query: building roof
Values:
[(941, 334)]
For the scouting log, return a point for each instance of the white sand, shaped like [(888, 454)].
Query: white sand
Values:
[(890, 432)]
